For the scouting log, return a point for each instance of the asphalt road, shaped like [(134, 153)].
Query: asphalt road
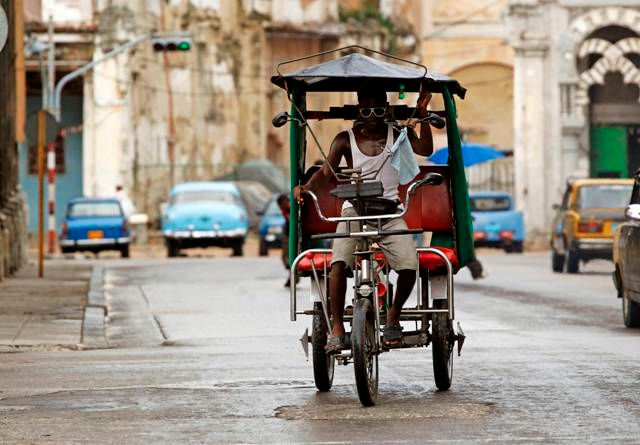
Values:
[(203, 352)]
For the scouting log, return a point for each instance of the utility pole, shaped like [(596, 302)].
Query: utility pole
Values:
[(51, 68), (41, 139), (51, 147)]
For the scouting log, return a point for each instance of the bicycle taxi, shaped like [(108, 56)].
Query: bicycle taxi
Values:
[(435, 201)]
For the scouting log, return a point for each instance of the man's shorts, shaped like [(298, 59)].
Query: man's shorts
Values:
[(400, 250)]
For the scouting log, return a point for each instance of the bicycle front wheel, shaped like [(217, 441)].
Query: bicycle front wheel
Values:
[(364, 351)]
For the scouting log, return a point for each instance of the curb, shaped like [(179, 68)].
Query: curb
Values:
[(95, 313)]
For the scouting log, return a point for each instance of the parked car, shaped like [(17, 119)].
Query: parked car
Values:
[(94, 225), (255, 197), (205, 214), (271, 227), (495, 222), (626, 258), (585, 222)]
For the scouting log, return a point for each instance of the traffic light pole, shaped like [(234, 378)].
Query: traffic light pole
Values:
[(89, 66)]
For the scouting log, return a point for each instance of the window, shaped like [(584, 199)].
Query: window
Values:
[(604, 196), (490, 204), (635, 195), (205, 196), (94, 209)]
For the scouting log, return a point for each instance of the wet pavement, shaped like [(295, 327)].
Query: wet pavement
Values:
[(203, 352)]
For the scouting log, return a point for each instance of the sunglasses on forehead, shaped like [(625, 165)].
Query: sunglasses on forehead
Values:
[(366, 112)]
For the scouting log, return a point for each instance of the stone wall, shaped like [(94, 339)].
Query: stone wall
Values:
[(13, 234)]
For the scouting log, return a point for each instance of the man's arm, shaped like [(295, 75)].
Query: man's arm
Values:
[(340, 142), (422, 145)]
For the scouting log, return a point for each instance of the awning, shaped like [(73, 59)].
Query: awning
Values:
[(351, 72)]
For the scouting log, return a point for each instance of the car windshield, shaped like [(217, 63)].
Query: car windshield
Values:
[(273, 209), (205, 196), (487, 204), (95, 209), (604, 196)]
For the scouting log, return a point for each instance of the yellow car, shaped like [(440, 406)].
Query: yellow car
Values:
[(586, 221)]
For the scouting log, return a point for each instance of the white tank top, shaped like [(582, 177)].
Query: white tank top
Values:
[(388, 175)]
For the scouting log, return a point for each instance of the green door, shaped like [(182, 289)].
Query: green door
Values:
[(609, 151)]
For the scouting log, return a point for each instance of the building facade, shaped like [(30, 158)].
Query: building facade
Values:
[(153, 119), (576, 97), (467, 40), (12, 90)]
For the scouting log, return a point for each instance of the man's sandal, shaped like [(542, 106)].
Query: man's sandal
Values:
[(392, 335), (335, 344)]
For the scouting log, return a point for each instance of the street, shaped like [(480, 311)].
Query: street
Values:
[(201, 350)]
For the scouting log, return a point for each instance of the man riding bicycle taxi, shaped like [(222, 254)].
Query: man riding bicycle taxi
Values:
[(366, 146)]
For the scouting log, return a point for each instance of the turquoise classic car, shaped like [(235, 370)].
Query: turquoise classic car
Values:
[(205, 214), (495, 222)]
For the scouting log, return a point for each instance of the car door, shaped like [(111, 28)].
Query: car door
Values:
[(632, 248)]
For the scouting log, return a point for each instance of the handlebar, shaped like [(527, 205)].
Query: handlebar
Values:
[(434, 120), (365, 234), (429, 179)]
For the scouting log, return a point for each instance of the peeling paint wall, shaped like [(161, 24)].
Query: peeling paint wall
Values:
[(209, 108)]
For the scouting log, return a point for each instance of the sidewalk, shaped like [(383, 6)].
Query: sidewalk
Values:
[(44, 313)]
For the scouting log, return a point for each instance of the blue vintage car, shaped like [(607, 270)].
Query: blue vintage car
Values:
[(204, 214), (271, 226), (94, 225), (495, 222)]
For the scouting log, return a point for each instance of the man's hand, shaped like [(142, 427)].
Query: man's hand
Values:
[(297, 193), (423, 103)]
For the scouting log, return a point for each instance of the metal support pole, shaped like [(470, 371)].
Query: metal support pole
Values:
[(41, 137), (110, 55), (51, 149), (88, 67), (51, 69), (51, 195)]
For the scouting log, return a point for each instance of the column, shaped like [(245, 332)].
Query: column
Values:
[(531, 171)]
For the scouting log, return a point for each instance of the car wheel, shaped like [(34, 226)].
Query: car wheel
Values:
[(630, 311), (573, 261), (517, 247), (237, 249), (172, 249), (557, 262), (264, 249), (124, 251)]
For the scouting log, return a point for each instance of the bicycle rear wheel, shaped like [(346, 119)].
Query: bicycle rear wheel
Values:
[(442, 346), (323, 363)]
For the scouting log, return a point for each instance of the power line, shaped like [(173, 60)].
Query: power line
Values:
[(181, 93), (466, 50), (464, 19), (207, 71), (479, 82)]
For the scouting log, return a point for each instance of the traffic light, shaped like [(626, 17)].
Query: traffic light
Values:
[(172, 44)]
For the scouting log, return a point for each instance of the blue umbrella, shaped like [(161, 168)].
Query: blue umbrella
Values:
[(471, 154)]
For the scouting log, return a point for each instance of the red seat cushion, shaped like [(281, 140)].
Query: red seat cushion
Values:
[(317, 259), (431, 261), (427, 260)]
